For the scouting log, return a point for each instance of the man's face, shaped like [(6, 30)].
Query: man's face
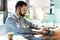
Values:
[(22, 10)]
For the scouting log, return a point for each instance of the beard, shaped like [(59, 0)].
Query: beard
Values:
[(22, 14)]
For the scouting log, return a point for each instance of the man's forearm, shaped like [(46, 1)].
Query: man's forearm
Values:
[(34, 28)]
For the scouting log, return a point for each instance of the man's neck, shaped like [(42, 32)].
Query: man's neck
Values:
[(18, 15)]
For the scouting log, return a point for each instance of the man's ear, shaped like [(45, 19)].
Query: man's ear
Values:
[(19, 8)]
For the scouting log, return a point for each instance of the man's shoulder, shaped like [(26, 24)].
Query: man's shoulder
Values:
[(12, 16), (10, 19)]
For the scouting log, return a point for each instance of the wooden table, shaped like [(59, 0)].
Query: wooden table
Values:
[(56, 36)]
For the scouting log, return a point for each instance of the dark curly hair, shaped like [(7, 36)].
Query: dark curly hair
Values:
[(20, 4)]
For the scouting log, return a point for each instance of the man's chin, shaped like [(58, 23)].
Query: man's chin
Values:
[(22, 15)]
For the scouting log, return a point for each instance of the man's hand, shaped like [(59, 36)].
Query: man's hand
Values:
[(43, 30)]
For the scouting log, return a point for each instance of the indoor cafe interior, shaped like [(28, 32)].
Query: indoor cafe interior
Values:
[(44, 13)]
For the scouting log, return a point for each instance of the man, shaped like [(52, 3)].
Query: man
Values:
[(17, 24)]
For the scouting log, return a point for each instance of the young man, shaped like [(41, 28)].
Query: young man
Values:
[(17, 23)]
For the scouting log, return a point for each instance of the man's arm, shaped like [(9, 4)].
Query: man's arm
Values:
[(11, 25), (32, 25)]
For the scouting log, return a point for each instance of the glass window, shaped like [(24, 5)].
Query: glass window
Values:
[(1, 17)]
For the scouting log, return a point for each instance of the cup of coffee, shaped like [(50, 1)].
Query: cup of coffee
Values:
[(10, 36)]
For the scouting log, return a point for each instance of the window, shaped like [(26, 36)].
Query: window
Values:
[(1, 17)]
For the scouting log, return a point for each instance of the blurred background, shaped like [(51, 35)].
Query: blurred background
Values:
[(44, 12)]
